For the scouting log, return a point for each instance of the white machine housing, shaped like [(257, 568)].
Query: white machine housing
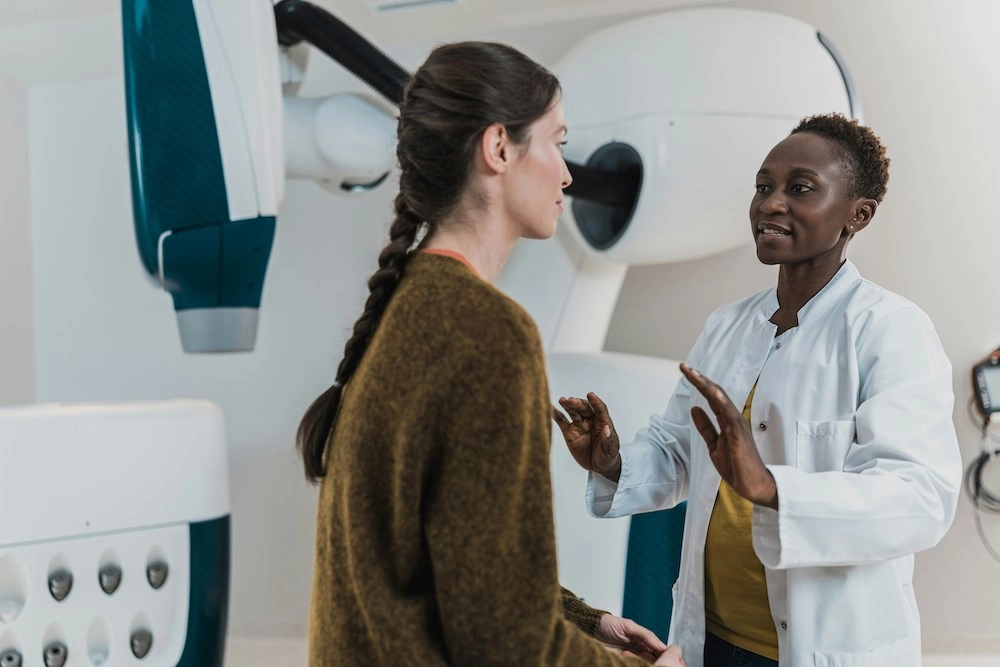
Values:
[(345, 142), (89, 485), (241, 60), (701, 95)]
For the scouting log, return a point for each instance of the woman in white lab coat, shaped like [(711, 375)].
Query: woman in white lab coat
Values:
[(811, 433)]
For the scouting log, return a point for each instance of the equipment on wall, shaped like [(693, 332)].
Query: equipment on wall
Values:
[(124, 556), (984, 403), (986, 385)]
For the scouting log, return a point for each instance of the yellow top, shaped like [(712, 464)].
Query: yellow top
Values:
[(736, 605)]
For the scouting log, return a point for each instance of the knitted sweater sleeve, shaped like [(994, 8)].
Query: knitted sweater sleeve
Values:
[(579, 613), (488, 518)]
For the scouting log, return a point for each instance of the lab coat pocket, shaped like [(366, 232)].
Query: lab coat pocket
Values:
[(822, 446), (897, 654)]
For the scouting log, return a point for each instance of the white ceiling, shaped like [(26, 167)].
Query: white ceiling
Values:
[(63, 40), (433, 19), (473, 16)]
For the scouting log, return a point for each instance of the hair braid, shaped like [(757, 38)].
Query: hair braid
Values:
[(318, 421)]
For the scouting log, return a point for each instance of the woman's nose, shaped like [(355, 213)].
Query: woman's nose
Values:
[(772, 203)]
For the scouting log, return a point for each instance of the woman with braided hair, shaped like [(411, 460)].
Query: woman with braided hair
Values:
[(435, 541)]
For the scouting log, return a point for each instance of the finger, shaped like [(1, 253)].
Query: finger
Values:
[(560, 419), (700, 382), (705, 426), (717, 398), (672, 656), (600, 409), (648, 640), (639, 654), (643, 637), (669, 660), (577, 408)]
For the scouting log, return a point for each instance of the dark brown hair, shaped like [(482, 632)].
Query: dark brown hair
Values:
[(862, 150), (459, 91)]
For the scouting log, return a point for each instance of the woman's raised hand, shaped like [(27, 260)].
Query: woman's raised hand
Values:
[(731, 447), (590, 434)]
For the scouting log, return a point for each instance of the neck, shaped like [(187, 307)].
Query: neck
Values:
[(482, 244), (797, 285)]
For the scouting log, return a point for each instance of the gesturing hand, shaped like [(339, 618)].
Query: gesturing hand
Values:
[(590, 434), (626, 636), (731, 448)]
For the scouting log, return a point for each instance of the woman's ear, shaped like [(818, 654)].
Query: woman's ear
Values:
[(495, 148), (861, 215)]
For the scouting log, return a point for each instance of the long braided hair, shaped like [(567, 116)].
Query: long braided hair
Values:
[(459, 91)]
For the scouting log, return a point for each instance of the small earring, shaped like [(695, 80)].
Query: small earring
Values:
[(850, 226)]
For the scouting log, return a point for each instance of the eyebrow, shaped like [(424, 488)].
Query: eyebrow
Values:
[(795, 171)]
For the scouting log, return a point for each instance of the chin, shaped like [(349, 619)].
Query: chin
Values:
[(766, 259), (542, 233)]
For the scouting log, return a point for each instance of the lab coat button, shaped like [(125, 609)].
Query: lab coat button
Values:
[(777, 346), (762, 426), (784, 626)]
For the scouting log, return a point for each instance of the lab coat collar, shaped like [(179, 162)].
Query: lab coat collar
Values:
[(846, 276)]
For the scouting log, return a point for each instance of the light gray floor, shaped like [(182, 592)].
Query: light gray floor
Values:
[(246, 652)]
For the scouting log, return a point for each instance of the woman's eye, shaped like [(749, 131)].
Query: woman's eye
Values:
[(761, 188), (561, 145), (801, 187)]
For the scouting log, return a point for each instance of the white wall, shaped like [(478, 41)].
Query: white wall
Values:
[(928, 83), (102, 332), (17, 344)]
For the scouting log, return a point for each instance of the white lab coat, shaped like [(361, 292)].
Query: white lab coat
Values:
[(853, 417)]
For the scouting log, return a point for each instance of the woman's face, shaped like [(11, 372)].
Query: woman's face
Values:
[(538, 176), (801, 211)]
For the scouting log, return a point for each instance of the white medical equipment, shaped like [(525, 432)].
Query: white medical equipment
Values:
[(114, 536)]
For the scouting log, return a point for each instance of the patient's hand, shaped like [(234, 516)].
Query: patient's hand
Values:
[(671, 657), (624, 635)]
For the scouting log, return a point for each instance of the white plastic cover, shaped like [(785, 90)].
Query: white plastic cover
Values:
[(83, 469), (702, 94), (240, 46)]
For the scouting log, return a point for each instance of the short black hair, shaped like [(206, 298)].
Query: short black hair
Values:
[(861, 149)]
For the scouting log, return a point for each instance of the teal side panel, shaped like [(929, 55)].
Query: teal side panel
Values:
[(208, 607), (651, 567), (246, 248), (174, 159), (219, 265)]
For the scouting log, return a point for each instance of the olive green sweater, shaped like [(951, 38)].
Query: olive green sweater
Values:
[(435, 542)]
